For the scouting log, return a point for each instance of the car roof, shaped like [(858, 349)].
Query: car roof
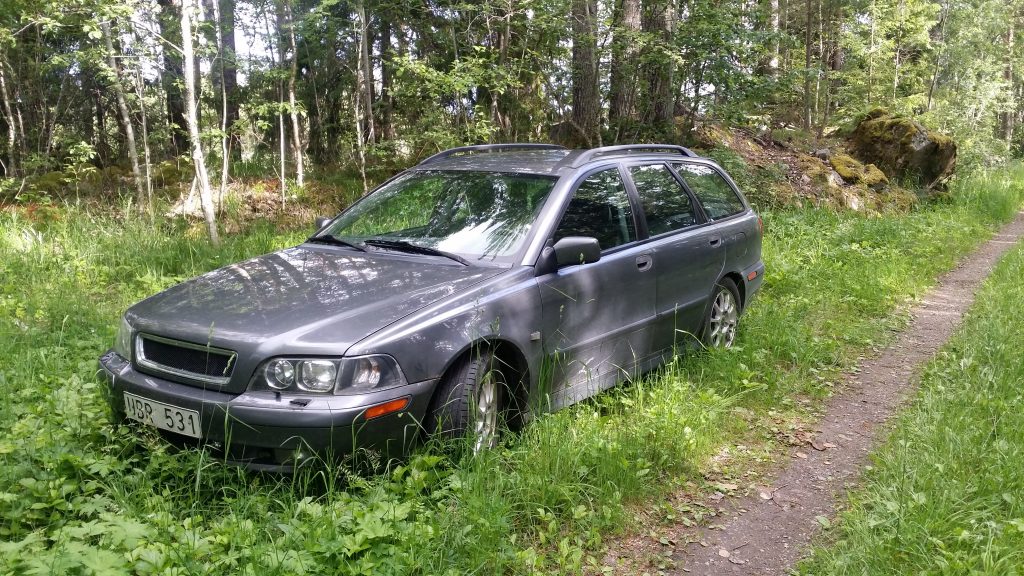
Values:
[(542, 159)]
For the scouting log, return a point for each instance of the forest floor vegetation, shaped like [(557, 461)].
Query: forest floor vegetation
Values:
[(80, 495), (765, 526), (945, 493)]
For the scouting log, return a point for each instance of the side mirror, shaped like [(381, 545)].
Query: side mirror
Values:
[(320, 222), (577, 250)]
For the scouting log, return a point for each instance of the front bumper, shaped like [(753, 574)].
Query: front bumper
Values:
[(277, 431)]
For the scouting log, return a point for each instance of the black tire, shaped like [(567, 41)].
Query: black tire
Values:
[(721, 320), (470, 401)]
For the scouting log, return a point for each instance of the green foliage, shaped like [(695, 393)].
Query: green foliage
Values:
[(944, 496), (78, 494), (942, 62)]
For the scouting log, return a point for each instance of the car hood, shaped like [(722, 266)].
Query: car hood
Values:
[(303, 300)]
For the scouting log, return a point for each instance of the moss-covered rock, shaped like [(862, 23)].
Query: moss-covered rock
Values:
[(854, 172), (169, 173), (848, 167), (873, 177), (814, 169), (903, 148), (50, 183)]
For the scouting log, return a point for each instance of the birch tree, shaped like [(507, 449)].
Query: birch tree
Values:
[(124, 115), (192, 118)]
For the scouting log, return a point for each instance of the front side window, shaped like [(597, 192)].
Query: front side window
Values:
[(479, 215), (600, 209), (713, 192), (666, 204)]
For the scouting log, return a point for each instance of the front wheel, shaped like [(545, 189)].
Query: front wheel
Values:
[(468, 401), (723, 316)]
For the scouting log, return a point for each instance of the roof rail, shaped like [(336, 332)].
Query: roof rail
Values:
[(489, 148), (589, 155)]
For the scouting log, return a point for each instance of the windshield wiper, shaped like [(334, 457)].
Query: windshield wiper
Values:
[(335, 241), (404, 246)]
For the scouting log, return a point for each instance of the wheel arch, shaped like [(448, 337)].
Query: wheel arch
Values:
[(508, 355), (741, 286)]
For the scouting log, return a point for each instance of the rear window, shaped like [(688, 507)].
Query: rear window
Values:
[(713, 192), (665, 203)]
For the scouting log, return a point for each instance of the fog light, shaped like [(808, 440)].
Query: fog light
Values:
[(317, 375), (280, 374)]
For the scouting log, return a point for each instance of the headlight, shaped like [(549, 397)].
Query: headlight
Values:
[(123, 340), (297, 374), (323, 375), (317, 375), (280, 374)]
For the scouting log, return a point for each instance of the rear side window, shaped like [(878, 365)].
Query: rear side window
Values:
[(666, 204), (713, 192), (600, 209)]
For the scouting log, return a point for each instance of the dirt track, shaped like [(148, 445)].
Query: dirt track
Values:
[(766, 532)]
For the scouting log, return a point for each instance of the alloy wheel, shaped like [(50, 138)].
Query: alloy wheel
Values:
[(485, 426), (724, 319)]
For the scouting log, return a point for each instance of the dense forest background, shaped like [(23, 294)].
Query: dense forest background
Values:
[(285, 88)]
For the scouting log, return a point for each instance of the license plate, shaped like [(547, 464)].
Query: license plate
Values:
[(162, 416)]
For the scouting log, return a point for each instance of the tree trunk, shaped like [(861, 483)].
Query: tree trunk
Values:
[(658, 21), (1007, 117), (808, 37), (279, 61), (360, 144), (12, 149), (871, 51), (192, 118), (897, 48), (774, 15), (124, 114), (99, 139), (832, 58), (225, 109), (170, 30), (784, 62), (586, 103), (297, 151), (365, 74), (139, 86), (940, 53), (229, 68), (387, 128), (691, 120), (625, 50)]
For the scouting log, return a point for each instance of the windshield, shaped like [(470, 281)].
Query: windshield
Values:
[(479, 215)]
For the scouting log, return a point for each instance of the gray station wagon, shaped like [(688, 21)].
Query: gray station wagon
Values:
[(472, 290)]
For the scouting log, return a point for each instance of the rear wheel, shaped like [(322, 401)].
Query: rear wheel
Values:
[(469, 400), (723, 316)]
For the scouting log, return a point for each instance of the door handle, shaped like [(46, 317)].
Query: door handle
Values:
[(644, 262), (715, 240)]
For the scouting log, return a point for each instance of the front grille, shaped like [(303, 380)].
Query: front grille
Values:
[(184, 360)]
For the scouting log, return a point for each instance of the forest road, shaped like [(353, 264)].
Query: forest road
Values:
[(767, 532)]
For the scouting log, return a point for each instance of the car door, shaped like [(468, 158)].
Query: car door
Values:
[(597, 317), (687, 250), (721, 204)]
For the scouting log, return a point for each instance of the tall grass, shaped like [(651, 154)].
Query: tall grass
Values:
[(78, 495), (946, 495)]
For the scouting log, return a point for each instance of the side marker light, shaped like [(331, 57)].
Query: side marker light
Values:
[(389, 407)]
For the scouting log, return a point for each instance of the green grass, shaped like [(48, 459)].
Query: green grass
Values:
[(80, 496), (946, 494)]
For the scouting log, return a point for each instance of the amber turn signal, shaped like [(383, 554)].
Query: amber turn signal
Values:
[(386, 408)]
